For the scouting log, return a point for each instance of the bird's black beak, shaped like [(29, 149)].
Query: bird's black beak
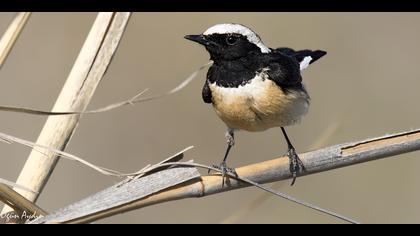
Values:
[(201, 39)]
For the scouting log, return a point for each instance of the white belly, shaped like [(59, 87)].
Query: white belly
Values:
[(258, 105)]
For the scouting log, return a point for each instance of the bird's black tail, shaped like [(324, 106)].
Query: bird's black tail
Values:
[(301, 54)]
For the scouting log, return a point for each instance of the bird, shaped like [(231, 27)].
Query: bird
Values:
[(253, 87)]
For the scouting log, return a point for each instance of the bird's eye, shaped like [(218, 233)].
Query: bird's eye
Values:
[(231, 40)]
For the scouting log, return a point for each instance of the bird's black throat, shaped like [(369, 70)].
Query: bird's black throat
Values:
[(232, 73)]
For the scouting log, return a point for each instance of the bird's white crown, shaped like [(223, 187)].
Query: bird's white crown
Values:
[(230, 28)]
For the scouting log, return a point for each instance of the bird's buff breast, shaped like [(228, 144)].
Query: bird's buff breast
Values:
[(258, 105)]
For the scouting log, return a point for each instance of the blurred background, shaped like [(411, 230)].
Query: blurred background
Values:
[(367, 85)]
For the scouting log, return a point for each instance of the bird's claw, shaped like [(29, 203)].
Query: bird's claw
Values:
[(296, 165), (224, 169)]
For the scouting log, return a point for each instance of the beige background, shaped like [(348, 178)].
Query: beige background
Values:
[(367, 85)]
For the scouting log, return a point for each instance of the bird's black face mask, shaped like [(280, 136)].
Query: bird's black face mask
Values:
[(225, 46)]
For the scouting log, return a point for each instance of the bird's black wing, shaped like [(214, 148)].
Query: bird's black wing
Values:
[(206, 92), (283, 70)]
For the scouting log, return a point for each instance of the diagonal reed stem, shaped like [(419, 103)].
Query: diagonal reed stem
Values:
[(88, 70)]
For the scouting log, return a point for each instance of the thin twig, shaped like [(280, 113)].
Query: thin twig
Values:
[(131, 101), (44, 150), (13, 185)]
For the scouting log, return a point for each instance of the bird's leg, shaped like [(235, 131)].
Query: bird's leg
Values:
[(296, 165), (223, 167)]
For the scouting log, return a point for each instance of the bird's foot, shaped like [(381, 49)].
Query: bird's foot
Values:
[(224, 170), (296, 165)]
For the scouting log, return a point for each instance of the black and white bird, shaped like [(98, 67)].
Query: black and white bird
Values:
[(253, 87)]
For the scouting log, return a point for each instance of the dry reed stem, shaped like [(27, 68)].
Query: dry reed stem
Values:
[(18, 203), (321, 160), (88, 70), (11, 35), (264, 196)]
